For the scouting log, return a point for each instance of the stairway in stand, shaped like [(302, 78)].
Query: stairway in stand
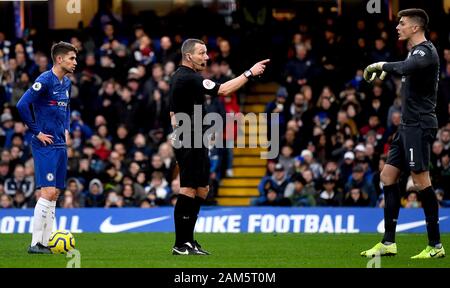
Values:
[(248, 167)]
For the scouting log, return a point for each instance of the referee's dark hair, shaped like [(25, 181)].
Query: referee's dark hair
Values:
[(188, 46), (62, 48), (418, 15)]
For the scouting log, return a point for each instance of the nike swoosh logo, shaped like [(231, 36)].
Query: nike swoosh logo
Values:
[(55, 93), (432, 255), (406, 226), (186, 252), (108, 227)]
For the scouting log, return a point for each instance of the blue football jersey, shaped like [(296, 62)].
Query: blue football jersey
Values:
[(45, 107)]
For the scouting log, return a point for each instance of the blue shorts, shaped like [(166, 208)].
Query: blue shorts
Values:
[(50, 166)]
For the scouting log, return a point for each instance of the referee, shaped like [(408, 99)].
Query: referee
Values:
[(188, 88), (410, 148)]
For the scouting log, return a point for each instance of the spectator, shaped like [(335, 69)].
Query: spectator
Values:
[(301, 69), (225, 58), (7, 128), (277, 182), (76, 197), (140, 144), (113, 200), (444, 137), (381, 52), (166, 53), (287, 160), (159, 185), (128, 196), (440, 197), (296, 193), (144, 53), (153, 200), (272, 199), (167, 155), (139, 192), (19, 182), (411, 200), (157, 164), (355, 198), (357, 180), (312, 163), (68, 200), (6, 201), (19, 200), (330, 196), (4, 171), (128, 110), (442, 172), (101, 149), (310, 186), (95, 196), (277, 106)]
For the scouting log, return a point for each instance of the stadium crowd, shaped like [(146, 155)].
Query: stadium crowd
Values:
[(335, 128)]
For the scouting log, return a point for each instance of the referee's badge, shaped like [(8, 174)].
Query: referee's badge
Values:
[(37, 86), (208, 84), (50, 177)]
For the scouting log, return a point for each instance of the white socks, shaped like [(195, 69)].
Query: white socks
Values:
[(41, 212), (44, 215), (48, 226)]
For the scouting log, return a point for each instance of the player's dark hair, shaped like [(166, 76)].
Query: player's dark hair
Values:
[(189, 44), (62, 48), (418, 15)]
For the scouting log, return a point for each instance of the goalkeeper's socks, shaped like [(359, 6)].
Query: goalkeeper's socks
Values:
[(391, 211), (431, 208), (183, 214), (48, 227), (40, 217)]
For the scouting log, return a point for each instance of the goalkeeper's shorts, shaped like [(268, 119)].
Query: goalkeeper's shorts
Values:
[(411, 148)]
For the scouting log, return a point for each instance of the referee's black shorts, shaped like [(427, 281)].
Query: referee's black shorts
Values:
[(411, 148), (194, 166)]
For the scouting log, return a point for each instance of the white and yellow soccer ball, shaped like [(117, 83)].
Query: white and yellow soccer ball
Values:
[(61, 242)]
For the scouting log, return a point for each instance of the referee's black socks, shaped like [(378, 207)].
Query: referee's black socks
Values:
[(184, 214), (431, 208), (198, 204), (391, 211)]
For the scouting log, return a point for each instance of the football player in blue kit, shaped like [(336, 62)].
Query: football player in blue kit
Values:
[(45, 110)]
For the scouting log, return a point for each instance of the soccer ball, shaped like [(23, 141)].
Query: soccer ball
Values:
[(61, 242)]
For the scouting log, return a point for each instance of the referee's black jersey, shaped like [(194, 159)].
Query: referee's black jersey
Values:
[(420, 73), (188, 88)]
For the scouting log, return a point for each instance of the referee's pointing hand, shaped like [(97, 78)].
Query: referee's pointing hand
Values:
[(259, 67)]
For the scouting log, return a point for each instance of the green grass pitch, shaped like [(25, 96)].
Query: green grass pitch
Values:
[(228, 251)]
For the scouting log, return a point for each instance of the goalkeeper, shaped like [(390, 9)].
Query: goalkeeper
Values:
[(410, 148)]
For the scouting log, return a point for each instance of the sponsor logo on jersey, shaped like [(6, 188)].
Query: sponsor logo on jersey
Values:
[(420, 52), (57, 103)]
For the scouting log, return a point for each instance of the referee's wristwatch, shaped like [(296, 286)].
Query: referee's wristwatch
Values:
[(248, 74)]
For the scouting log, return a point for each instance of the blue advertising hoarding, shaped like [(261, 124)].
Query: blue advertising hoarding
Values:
[(225, 220)]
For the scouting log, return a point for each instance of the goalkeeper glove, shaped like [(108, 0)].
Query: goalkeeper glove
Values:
[(371, 71)]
